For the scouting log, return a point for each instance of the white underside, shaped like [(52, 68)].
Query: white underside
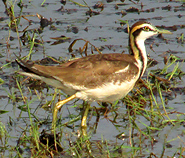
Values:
[(109, 92)]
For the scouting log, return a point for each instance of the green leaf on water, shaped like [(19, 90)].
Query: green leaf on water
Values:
[(3, 111), (123, 21), (1, 81), (23, 108), (79, 4)]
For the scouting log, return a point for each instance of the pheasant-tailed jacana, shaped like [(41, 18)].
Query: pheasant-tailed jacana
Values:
[(98, 77)]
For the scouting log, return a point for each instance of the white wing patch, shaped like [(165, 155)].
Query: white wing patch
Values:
[(123, 70)]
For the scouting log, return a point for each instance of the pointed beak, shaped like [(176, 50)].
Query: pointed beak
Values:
[(162, 31)]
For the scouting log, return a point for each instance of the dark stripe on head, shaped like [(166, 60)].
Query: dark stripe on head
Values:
[(139, 23), (141, 57), (137, 32)]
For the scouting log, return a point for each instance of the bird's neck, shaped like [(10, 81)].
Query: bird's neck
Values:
[(138, 50)]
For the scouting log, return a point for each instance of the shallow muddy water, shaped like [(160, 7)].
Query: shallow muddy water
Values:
[(106, 31)]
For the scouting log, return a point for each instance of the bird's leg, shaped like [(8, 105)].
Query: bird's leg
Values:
[(84, 120), (57, 107), (86, 143)]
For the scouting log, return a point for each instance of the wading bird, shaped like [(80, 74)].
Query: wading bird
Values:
[(98, 77)]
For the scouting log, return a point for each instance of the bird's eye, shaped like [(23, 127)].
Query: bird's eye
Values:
[(146, 28)]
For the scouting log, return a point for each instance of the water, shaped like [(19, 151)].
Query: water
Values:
[(104, 31)]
